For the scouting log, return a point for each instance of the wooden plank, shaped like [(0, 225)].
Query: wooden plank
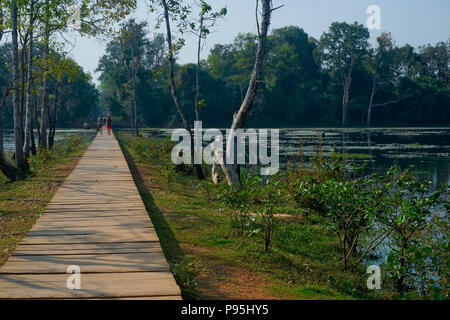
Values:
[(72, 230), (106, 285), (134, 236), (85, 216), (131, 221), (92, 223), (97, 221), (92, 263), (87, 248)]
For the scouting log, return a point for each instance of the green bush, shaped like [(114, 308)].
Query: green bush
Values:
[(417, 219)]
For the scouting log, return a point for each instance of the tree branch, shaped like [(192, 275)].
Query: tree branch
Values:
[(391, 102)]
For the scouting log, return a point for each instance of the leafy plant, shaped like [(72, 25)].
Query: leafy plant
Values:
[(40, 159), (185, 273), (412, 218)]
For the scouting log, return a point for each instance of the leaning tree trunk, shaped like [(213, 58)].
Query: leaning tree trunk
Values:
[(28, 108), (18, 133), (231, 171), (174, 92), (45, 98)]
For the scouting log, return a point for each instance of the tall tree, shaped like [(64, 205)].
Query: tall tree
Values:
[(18, 134), (125, 68), (436, 61), (133, 44), (45, 100), (207, 20), (382, 68), (29, 107), (178, 12), (231, 171), (339, 51)]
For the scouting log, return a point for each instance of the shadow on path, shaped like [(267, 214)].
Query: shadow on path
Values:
[(169, 243)]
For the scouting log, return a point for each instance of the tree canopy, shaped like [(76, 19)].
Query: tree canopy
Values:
[(303, 81)]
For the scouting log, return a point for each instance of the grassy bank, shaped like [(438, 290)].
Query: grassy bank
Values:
[(211, 260), (22, 202)]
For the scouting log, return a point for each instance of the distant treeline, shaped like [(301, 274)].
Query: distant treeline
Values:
[(307, 82)]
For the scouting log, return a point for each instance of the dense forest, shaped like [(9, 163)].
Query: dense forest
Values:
[(307, 82), (304, 80), (42, 87), (311, 228), (72, 93)]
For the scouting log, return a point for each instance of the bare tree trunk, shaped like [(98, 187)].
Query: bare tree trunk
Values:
[(372, 95), (36, 113), (18, 134), (231, 171), (347, 81), (1, 24), (23, 75), (29, 107), (197, 76), (33, 141), (176, 100), (345, 97), (136, 129), (133, 79), (215, 173), (6, 168), (45, 99), (131, 115), (52, 118)]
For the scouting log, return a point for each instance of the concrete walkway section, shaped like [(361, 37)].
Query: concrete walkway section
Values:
[(94, 240)]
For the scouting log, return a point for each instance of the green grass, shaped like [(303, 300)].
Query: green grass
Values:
[(303, 261)]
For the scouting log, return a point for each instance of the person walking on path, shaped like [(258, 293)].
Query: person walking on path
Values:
[(109, 124), (100, 124)]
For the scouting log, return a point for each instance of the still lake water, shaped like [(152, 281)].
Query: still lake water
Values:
[(427, 149), (8, 136)]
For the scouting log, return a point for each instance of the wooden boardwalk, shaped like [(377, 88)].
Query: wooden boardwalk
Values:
[(96, 221)]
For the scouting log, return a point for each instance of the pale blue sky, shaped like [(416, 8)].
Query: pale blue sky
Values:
[(416, 22)]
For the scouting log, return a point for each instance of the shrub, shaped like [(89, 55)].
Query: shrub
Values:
[(419, 241)]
